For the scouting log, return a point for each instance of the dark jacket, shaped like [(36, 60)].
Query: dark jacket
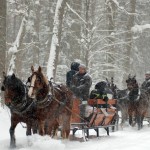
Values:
[(69, 76), (99, 92), (74, 68), (81, 85)]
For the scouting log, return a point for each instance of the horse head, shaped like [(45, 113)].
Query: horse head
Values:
[(131, 83), (13, 89), (39, 85)]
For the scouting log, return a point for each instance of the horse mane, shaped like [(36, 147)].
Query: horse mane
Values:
[(15, 89), (15, 83)]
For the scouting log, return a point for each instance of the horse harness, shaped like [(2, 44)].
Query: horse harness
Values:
[(63, 101), (22, 108)]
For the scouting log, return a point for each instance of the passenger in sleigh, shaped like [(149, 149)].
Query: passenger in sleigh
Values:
[(100, 92), (81, 83)]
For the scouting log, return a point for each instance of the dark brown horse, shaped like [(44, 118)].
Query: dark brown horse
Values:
[(53, 103), (21, 106), (139, 103)]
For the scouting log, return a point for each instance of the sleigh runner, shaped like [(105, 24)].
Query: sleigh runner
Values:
[(99, 114)]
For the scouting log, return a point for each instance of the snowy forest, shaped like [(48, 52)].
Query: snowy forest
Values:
[(111, 37)]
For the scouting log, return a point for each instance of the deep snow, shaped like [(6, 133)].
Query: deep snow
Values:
[(127, 139)]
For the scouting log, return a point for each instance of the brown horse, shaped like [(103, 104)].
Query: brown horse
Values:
[(53, 103), (139, 103), (21, 106)]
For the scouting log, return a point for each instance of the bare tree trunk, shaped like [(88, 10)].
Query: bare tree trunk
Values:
[(3, 8), (129, 41), (110, 10), (56, 38), (16, 45), (87, 32), (36, 37)]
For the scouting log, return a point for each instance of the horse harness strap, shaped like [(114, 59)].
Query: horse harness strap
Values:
[(44, 103), (23, 107), (62, 102)]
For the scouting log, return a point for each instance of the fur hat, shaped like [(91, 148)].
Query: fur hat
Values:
[(147, 73), (82, 66)]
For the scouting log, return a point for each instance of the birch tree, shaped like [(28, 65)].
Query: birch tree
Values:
[(14, 49), (56, 38)]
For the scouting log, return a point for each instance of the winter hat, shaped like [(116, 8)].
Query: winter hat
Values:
[(75, 66), (147, 73), (82, 66)]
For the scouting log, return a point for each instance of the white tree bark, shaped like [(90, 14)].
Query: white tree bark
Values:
[(55, 43), (15, 46)]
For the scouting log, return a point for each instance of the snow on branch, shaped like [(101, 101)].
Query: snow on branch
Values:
[(55, 40), (140, 28), (75, 13), (120, 7), (14, 49)]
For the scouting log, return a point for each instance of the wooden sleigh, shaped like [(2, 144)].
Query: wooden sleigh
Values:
[(103, 117)]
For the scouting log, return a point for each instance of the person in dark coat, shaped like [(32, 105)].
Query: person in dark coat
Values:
[(74, 68), (100, 91), (146, 84), (82, 82)]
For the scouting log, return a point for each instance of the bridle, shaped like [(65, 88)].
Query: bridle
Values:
[(133, 88), (37, 77)]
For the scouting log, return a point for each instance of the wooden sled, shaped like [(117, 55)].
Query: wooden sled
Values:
[(75, 118), (97, 120)]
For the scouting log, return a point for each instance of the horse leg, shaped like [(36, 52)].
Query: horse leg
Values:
[(46, 127), (130, 120), (34, 128), (55, 128), (12, 133), (139, 118), (130, 113), (66, 126), (41, 124), (52, 127), (142, 118), (28, 131), (31, 125)]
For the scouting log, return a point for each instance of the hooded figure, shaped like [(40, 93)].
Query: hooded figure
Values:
[(74, 68)]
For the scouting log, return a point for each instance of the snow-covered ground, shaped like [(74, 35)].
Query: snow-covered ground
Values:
[(127, 139)]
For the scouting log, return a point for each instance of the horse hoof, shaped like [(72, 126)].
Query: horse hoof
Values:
[(12, 146)]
